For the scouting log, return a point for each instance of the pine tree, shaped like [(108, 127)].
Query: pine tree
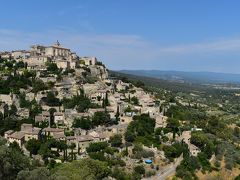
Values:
[(117, 115), (106, 100)]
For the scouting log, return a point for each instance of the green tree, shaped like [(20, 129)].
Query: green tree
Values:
[(41, 173), (13, 110), (142, 126), (173, 124), (51, 112), (116, 140), (100, 118), (206, 145), (15, 145), (44, 151), (34, 108), (139, 169), (236, 132), (96, 147), (80, 102), (5, 111), (33, 146), (82, 169), (237, 178), (129, 136), (72, 146), (38, 85), (12, 162), (62, 146), (19, 64), (135, 100), (51, 99), (186, 170), (117, 115), (52, 68), (83, 123)]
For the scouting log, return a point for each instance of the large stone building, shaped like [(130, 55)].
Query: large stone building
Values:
[(55, 51), (20, 54), (39, 55), (27, 132)]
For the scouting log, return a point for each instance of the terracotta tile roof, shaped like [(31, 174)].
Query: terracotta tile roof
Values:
[(17, 135), (84, 138), (53, 130), (9, 132), (59, 135), (33, 131)]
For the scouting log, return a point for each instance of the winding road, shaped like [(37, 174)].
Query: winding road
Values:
[(166, 171)]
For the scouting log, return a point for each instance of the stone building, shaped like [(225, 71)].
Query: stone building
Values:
[(16, 137), (89, 60), (62, 56), (20, 54), (6, 55), (27, 132)]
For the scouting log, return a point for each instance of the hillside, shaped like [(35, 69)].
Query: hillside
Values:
[(190, 77), (160, 83)]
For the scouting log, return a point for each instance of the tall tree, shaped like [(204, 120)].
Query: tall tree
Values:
[(72, 147), (12, 162), (33, 146), (51, 112), (5, 111), (13, 110), (173, 124), (117, 115)]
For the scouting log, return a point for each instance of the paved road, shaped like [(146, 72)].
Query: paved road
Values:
[(167, 171)]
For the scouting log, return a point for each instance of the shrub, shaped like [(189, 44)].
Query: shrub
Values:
[(139, 169), (150, 173)]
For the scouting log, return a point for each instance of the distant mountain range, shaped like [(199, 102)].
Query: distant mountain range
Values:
[(190, 77)]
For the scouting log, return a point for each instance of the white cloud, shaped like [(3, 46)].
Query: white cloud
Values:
[(213, 46)]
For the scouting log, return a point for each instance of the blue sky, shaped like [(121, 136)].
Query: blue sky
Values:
[(181, 35)]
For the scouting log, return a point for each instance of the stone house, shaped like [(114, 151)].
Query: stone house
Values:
[(18, 137), (24, 113), (8, 133), (30, 132), (90, 88), (59, 136), (20, 54), (63, 64), (27, 132), (51, 131), (43, 117), (82, 141), (2, 107), (59, 118), (121, 86), (6, 98), (98, 137), (91, 111), (115, 129), (185, 137), (30, 96), (88, 61), (6, 55)]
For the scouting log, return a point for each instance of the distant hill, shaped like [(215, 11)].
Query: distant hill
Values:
[(190, 77), (161, 83)]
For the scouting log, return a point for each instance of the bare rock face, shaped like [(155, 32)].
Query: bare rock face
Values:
[(79, 72), (99, 72)]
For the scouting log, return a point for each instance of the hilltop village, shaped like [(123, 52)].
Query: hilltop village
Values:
[(57, 106)]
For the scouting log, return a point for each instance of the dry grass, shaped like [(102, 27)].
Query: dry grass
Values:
[(222, 174)]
